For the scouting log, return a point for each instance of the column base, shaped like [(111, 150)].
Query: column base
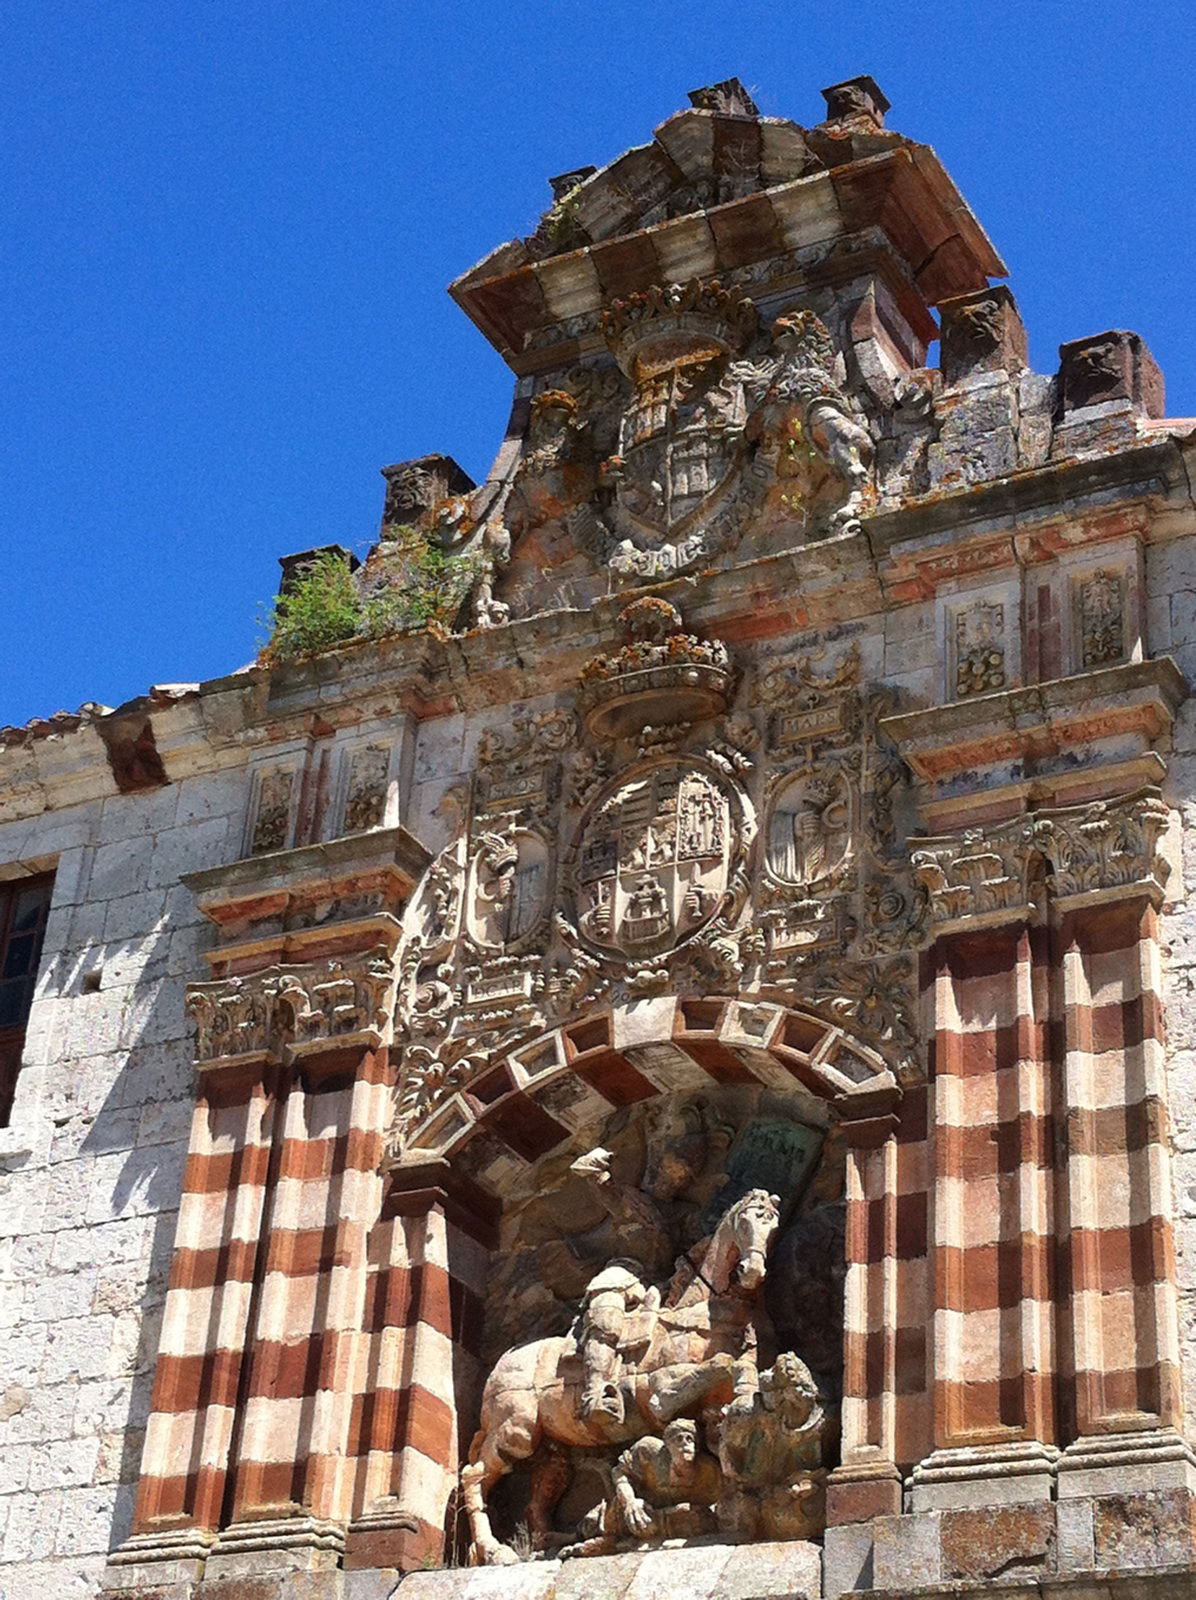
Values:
[(984, 1475), (169, 1562), (285, 1544), (388, 1536), (1126, 1463), (861, 1490)]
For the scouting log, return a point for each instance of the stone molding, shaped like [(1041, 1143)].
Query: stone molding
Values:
[(296, 1009), (1041, 720), (285, 890)]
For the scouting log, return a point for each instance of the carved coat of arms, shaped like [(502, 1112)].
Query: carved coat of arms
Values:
[(681, 440), (654, 860)]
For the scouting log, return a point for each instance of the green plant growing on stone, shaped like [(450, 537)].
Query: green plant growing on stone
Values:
[(413, 584), (407, 585), (318, 609), (561, 223)]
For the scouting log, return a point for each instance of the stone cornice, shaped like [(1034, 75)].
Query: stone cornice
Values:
[(902, 191), (1151, 469), (337, 896), (1136, 700)]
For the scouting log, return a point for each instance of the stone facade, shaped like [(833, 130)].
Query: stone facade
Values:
[(687, 1072)]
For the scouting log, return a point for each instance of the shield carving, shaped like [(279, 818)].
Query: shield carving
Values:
[(680, 440), (654, 861)]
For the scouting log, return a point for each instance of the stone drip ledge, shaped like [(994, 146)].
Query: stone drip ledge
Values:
[(790, 1570)]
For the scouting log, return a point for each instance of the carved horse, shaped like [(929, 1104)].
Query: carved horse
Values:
[(702, 1334)]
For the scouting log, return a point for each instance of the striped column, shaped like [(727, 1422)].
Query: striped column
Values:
[(1119, 1333), (1122, 1378), (992, 1355), (885, 1397), (292, 1483), (424, 1315), (185, 1460)]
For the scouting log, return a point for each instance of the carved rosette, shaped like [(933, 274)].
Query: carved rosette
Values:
[(293, 1009)]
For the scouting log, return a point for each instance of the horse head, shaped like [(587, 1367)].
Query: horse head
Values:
[(737, 1253)]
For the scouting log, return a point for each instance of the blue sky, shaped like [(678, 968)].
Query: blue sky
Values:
[(229, 226)]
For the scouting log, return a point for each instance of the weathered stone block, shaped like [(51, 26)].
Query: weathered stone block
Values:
[(908, 1551), (981, 332), (756, 1571), (1075, 1549), (999, 1541), (848, 1559), (1110, 366), (1144, 1530)]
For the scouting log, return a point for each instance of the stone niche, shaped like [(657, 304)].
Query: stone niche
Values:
[(649, 1189)]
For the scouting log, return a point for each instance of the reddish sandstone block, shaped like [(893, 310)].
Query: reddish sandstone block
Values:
[(999, 1541)]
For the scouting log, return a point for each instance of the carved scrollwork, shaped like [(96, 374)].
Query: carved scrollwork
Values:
[(426, 1081), (292, 1007)]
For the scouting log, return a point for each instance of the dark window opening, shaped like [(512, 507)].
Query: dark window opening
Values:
[(24, 905)]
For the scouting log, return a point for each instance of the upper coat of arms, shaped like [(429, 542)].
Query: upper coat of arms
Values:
[(682, 436), (725, 420)]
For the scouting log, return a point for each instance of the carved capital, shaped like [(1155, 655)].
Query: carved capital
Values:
[(1106, 850), (293, 1008), (982, 878)]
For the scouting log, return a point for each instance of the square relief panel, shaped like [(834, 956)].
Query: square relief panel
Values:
[(1103, 616), (367, 787)]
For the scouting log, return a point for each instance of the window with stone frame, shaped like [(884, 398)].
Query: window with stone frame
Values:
[(24, 904)]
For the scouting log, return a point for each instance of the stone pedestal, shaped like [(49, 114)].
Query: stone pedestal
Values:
[(988, 1475)]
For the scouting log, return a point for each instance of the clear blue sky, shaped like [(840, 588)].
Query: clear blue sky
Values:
[(229, 225)]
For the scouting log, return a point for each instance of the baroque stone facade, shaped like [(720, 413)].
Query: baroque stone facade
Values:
[(685, 1077)]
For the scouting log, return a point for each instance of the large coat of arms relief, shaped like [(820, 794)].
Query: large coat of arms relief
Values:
[(708, 423), (658, 858)]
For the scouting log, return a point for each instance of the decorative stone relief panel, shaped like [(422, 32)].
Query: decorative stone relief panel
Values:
[(1100, 617), (292, 1007), (273, 801), (998, 874), (978, 649), (707, 424), (620, 861), (365, 784)]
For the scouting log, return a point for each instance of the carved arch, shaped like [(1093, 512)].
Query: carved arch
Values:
[(537, 1096)]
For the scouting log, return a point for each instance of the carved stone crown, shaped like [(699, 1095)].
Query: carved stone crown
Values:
[(661, 676), (674, 319)]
